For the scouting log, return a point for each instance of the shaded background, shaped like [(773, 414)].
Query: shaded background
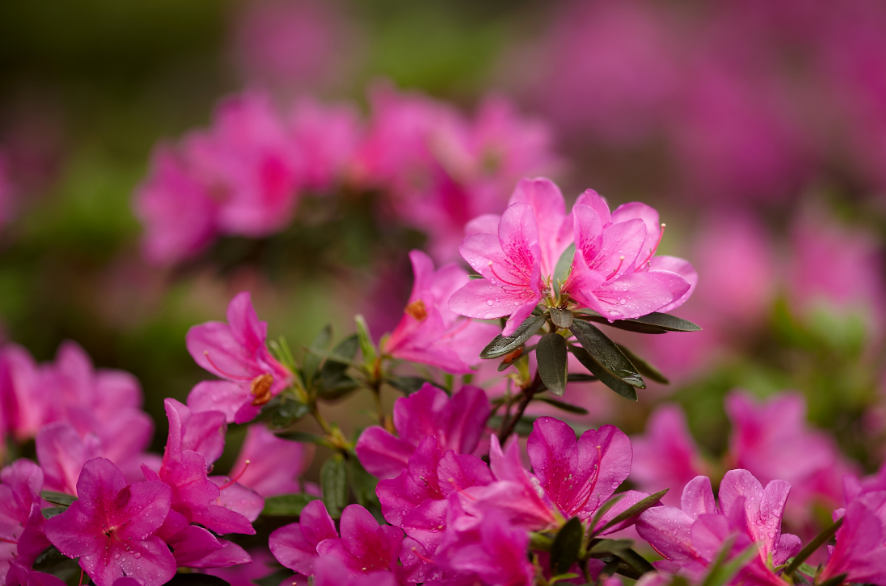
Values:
[(757, 128)]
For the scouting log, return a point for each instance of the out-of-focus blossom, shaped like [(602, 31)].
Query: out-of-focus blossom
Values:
[(111, 527), (25, 408), (859, 552), (325, 139), (21, 522), (440, 170), (290, 43), (62, 454), (246, 574), (609, 70), (457, 423), (177, 210), (666, 456), (235, 351), (773, 441), (691, 538), (270, 465), (431, 333), (836, 268)]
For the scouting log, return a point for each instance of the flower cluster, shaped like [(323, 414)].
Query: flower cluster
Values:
[(245, 175)]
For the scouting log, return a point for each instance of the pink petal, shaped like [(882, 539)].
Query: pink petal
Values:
[(382, 454), (218, 395), (549, 210)]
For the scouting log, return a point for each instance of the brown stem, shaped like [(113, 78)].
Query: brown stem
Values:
[(526, 397)]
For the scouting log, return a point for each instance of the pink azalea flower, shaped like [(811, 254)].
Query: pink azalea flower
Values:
[(111, 527), (457, 423), (247, 161), (295, 545), (571, 477), (21, 575), (860, 552), (199, 498), (21, 522), (431, 333), (487, 549), (176, 209), (365, 546), (62, 454), (690, 538), (666, 456), (25, 409), (247, 574), (195, 547), (330, 572), (235, 351), (772, 440), (325, 139), (270, 465), (615, 271)]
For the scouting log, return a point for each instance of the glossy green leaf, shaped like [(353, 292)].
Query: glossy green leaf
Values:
[(502, 345), (654, 323), (334, 484), (606, 353), (287, 414), (314, 355), (553, 362), (617, 385), (563, 406), (632, 511), (562, 318), (407, 384), (580, 377), (643, 367), (58, 498), (562, 269), (50, 512), (363, 485), (286, 505), (566, 546)]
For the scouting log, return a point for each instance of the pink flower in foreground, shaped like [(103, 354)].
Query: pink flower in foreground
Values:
[(431, 333), (235, 351), (457, 423), (691, 539), (666, 456), (111, 527), (21, 522), (295, 545), (860, 552), (270, 465)]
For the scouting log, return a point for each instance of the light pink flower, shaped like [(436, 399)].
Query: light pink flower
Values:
[(431, 333), (235, 351)]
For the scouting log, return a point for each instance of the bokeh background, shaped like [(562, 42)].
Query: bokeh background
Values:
[(756, 127)]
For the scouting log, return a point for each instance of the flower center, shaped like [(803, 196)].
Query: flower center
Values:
[(261, 389), (417, 310)]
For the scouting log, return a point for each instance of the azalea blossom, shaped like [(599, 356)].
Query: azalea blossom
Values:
[(431, 333), (22, 536), (236, 352), (859, 552), (457, 423)]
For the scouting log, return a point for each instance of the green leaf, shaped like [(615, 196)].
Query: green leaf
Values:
[(813, 545), (338, 360), (606, 353), (643, 367), (287, 414), (194, 579), (502, 345), (580, 377), (562, 269), (633, 511), (334, 483), (609, 546), (58, 498), (314, 355), (407, 384), (563, 406), (553, 362), (363, 485), (721, 572), (365, 339), (345, 387), (835, 581), (654, 323), (524, 424), (604, 508), (50, 512), (302, 436), (286, 505), (49, 559), (566, 546), (617, 385), (562, 318)]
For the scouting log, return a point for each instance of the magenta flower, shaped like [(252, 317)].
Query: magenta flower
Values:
[(457, 423), (246, 158), (110, 527), (487, 549), (235, 351), (247, 574), (431, 333), (615, 271), (330, 572), (859, 552), (175, 208), (62, 454), (325, 139), (295, 545), (365, 546), (666, 456), (690, 538), (195, 547), (21, 523), (21, 575), (25, 409), (270, 465)]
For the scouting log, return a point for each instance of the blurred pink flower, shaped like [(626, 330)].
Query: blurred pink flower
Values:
[(270, 465), (325, 139)]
